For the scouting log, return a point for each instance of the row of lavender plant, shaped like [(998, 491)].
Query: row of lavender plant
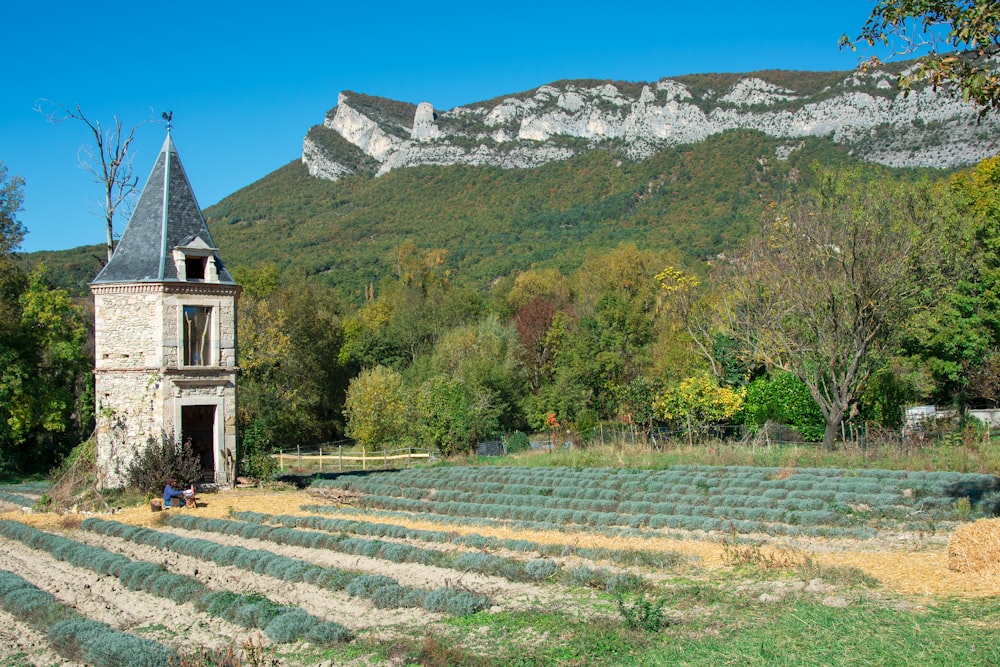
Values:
[(280, 623), (383, 591), (33, 487), (741, 507), (613, 532), (613, 484), (16, 499), (661, 560), (537, 569), (335, 538), (510, 509), (76, 637)]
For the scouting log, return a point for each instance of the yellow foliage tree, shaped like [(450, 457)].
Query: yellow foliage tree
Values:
[(698, 400)]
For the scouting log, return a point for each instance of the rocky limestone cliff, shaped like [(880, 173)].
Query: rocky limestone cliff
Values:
[(556, 121)]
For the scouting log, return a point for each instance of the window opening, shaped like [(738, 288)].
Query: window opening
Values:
[(197, 336), (194, 267)]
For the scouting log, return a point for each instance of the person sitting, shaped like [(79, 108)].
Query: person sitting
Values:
[(169, 493)]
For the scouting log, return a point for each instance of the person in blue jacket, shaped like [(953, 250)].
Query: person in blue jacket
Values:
[(169, 493)]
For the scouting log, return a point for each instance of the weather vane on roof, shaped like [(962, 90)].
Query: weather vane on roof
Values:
[(169, 117)]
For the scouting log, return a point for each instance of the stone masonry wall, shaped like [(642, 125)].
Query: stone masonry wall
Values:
[(139, 383)]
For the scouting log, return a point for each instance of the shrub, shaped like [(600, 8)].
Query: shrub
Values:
[(36, 606), (540, 568), (159, 460), (591, 578), (451, 601), (624, 582), (464, 603), (388, 596), (639, 613), (363, 586), (327, 632), (99, 644), (477, 562), (518, 442), (289, 626)]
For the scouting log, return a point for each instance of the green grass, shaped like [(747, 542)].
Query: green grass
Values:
[(980, 457), (730, 630)]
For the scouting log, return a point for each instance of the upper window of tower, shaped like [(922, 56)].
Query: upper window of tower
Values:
[(195, 261)]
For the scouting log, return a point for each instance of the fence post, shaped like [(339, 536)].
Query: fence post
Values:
[(321, 458), (340, 459), (364, 462), (281, 460)]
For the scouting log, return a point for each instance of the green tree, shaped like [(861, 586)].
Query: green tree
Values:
[(697, 401), (378, 412), (45, 397), (607, 345), (784, 398), (11, 199), (960, 37), (823, 289), (292, 387), (45, 404), (12, 278), (452, 418), (486, 359), (943, 344), (404, 320)]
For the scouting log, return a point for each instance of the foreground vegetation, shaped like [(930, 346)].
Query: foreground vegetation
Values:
[(603, 585)]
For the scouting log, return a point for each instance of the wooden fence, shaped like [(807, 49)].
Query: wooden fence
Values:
[(337, 460)]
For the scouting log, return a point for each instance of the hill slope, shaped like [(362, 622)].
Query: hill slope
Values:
[(686, 164), (700, 199)]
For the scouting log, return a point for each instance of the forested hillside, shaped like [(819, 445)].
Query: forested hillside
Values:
[(469, 300), (697, 200)]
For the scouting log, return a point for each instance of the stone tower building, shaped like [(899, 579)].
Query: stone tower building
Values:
[(165, 333)]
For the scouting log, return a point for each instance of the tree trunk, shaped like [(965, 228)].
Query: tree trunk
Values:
[(833, 420)]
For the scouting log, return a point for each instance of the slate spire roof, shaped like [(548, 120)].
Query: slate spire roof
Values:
[(166, 216)]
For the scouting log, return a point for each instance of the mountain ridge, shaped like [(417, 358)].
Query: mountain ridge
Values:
[(863, 111)]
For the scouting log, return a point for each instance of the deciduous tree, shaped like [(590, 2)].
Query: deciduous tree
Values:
[(378, 414), (822, 289), (108, 159)]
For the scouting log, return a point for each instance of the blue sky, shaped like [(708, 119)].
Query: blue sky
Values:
[(246, 81)]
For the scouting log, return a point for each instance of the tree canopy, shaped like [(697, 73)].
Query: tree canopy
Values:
[(825, 286), (46, 401), (961, 39)]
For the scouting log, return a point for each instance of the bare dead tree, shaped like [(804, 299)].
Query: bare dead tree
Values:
[(108, 159)]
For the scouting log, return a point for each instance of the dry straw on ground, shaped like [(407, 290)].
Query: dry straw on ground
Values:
[(975, 548)]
